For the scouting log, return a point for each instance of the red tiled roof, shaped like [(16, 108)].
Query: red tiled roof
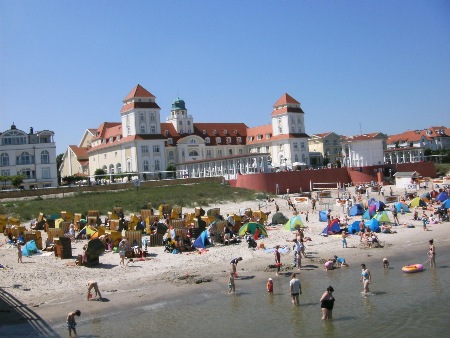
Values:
[(286, 99), (364, 137), (416, 135), (80, 153), (138, 91)]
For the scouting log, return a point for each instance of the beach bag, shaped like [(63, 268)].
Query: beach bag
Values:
[(175, 251)]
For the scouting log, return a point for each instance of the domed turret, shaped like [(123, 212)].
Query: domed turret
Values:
[(178, 104)]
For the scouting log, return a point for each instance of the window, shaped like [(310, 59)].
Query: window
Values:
[(153, 130), (171, 156), (193, 141), (302, 145), (169, 140), (128, 165), (180, 123), (239, 139), (295, 145), (228, 139), (218, 140), (5, 173), (267, 136), (115, 154), (157, 167), (250, 138), (240, 151), (142, 129), (25, 158), (230, 152), (4, 160), (45, 157), (188, 123), (119, 168), (141, 117), (152, 117), (225, 131), (258, 137), (146, 166), (258, 149), (208, 153), (28, 173), (207, 140), (156, 149), (45, 173), (215, 132), (219, 152), (193, 152), (204, 132), (104, 156), (144, 149)]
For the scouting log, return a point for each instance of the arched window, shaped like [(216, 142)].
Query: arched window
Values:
[(146, 166), (157, 167), (111, 169), (193, 152), (25, 158), (105, 168), (118, 168), (129, 165), (4, 160), (45, 157), (296, 158)]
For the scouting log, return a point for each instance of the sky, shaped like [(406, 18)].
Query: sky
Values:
[(355, 66)]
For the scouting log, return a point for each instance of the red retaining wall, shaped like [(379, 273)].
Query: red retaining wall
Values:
[(297, 181)]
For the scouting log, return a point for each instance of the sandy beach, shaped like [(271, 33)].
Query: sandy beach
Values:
[(52, 287)]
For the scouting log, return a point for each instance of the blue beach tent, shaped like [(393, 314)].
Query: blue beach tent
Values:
[(354, 227), (333, 228), (356, 210), (322, 216), (202, 241), (373, 224), (29, 248)]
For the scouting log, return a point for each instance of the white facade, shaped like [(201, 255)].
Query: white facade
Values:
[(362, 151), (31, 155)]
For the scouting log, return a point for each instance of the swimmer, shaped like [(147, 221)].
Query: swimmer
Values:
[(385, 263), (366, 278)]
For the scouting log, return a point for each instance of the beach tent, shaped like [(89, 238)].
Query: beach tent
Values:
[(332, 228), (382, 217), (442, 196), (380, 205), (373, 225), (446, 204), (279, 218), (29, 248), (400, 205), (202, 241), (356, 210), (426, 195), (417, 202), (370, 201), (370, 212), (322, 216), (294, 223), (433, 193), (251, 227), (353, 228)]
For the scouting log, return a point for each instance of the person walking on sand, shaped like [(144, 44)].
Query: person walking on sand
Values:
[(277, 259), (123, 247), (19, 252), (366, 278), (71, 323), (296, 289), (432, 253), (231, 285), (93, 285), (327, 303)]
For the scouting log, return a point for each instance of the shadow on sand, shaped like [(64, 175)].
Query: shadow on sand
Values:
[(21, 320)]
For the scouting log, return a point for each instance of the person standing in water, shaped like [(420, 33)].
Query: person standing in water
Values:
[(296, 289), (432, 253), (327, 303), (366, 278), (71, 323)]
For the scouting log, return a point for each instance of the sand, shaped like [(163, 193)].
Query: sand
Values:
[(52, 286)]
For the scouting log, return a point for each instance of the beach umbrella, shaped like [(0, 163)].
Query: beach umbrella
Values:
[(251, 227), (417, 202), (294, 223), (442, 196), (446, 204)]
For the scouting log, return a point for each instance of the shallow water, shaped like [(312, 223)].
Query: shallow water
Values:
[(399, 305)]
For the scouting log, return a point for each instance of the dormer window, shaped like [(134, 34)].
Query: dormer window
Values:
[(218, 140), (235, 132), (267, 136), (250, 138), (228, 139), (169, 140), (111, 139), (118, 137), (239, 139), (207, 140), (225, 131), (258, 137), (215, 132), (204, 132), (166, 132), (104, 141)]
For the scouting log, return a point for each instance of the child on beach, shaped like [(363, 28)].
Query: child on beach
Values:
[(270, 285), (231, 285), (19, 252), (385, 263), (71, 323), (344, 239)]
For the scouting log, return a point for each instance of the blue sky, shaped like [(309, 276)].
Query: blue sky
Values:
[(355, 66)]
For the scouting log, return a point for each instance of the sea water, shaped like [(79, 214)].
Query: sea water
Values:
[(399, 305)]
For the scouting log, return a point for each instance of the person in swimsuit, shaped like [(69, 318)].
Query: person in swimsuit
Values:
[(366, 278), (432, 253), (327, 303), (277, 259), (93, 285), (71, 323), (234, 262)]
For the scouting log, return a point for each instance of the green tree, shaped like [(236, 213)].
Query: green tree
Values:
[(172, 171), (99, 174), (17, 180), (59, 160), (4, 179)]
